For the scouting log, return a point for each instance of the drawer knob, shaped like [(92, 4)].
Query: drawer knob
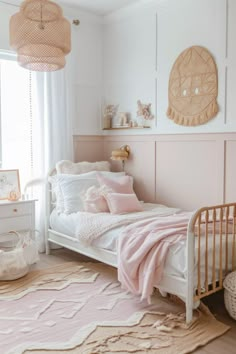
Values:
[(15, 210)]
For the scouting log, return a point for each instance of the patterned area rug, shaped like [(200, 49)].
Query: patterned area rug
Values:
[(81, 308)]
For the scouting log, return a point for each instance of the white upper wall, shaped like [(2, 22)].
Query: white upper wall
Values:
[(128, 56), (99, 7), (141, 44), (5, 13)]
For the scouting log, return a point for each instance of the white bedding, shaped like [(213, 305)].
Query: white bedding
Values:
[(68, 224), (175, 264)]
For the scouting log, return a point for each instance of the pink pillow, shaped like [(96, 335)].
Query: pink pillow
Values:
[(94, 201), (123, 184), (122, 203)]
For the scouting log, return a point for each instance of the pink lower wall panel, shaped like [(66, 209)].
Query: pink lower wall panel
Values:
[(88, 148), (230, 171), (187, 171), (141, 164)]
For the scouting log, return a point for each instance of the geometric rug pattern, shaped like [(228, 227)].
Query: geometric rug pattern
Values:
[(81, 308)]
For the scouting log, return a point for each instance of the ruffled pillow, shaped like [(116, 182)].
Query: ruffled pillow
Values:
[(122, 184), (122, 203), (69, 190), (94, 200)]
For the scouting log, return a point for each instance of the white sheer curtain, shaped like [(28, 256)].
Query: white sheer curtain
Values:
[(39, 108), (51, 133), (53, 110)]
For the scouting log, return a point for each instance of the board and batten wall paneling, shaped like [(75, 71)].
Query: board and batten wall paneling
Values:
[(140, 165), (140, 48), (182, 24), (230, 171), (88, 148), (185, 171), (231, 65), (189, 171), (130, 61), (88, 85)]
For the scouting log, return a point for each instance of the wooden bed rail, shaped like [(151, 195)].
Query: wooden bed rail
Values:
[(214, 230)]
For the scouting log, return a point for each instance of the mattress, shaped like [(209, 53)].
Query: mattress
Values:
[(175, 264), (67, 224)]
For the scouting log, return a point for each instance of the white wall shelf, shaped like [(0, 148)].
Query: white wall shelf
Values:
[(126, 128)]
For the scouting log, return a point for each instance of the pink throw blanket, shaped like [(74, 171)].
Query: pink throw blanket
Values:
[(142, 250)]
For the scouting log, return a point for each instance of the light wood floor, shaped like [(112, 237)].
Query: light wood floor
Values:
[(225, 344)]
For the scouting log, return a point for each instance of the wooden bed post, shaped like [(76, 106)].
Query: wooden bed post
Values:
[(190, 270), (219, 223)]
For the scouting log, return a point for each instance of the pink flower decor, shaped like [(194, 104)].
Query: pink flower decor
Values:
[(144, 110)]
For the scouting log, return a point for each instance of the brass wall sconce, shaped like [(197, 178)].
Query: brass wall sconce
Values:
[(121, 154)]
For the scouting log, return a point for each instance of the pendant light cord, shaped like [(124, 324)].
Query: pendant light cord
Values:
[(41, 26)]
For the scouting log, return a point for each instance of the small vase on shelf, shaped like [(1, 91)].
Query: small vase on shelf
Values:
[(107, 122)]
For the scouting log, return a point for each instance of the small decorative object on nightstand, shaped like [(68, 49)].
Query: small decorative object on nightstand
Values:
[(230, 294)]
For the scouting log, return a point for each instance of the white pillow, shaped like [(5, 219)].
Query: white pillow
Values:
[(70, 189), (77, 168)]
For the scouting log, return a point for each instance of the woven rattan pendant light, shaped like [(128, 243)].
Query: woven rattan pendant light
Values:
[(40, 35)]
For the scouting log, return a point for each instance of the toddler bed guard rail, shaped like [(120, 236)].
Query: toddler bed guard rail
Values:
[(210, 228)]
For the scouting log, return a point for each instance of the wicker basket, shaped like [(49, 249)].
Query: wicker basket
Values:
[(17, 252), (230, 294)]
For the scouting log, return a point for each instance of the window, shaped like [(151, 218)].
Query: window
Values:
[(15, 119)]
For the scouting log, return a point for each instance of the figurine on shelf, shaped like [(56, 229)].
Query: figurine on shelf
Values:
[(131, 123), (144, 111), (123, 119), (109, 113)]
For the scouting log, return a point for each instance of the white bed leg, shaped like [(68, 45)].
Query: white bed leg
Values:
[(47, 248), (189, 314), (163, 293)]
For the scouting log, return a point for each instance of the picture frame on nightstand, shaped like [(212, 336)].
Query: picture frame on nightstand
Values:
[(10, 185)]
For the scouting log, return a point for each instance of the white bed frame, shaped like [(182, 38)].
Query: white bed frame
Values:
[(221, 217)]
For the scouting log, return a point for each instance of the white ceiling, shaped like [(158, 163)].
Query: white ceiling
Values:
[(100, 7)]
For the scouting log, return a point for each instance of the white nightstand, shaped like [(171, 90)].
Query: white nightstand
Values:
[(17, 216)]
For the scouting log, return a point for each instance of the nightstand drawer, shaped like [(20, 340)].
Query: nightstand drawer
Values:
[(9, 211), (18, 223)]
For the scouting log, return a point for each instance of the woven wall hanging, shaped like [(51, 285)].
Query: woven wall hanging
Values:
[(193, 88)]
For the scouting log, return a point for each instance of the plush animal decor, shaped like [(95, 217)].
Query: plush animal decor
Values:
[(144, 110), (193, 88)]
